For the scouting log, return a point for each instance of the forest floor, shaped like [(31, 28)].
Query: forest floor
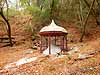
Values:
[(22, 59)]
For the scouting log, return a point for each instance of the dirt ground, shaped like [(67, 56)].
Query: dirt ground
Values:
[(51, 65)]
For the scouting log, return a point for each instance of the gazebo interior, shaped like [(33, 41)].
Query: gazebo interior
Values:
[(53, 39)]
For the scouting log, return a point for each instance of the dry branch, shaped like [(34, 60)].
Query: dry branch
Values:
[(92, 12)]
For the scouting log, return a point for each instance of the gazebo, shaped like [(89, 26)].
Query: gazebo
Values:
[(53, 39)]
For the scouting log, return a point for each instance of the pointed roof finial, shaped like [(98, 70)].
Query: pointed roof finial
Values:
[(52, 23), (52, 20)]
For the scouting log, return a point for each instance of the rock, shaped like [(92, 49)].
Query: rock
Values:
[(91, 68), (25, 60), (87, 69), (73, 50), (11, 65), (19, 62), (84, 56), (62, 56), (70, 52), (70, 61), (28, 51), (34, 47), (3, 71)]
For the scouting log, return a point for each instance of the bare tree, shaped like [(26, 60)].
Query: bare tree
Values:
[(92, 12), (86, 19), (7, 22)]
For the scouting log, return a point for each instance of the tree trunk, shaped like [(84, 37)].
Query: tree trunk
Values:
[(51, 12), (84, 25), (98, 3), (81, 14), (9, 28), (7, 8), (92, 11)]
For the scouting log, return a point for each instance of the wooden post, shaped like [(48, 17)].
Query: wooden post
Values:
[(66, 43), (63, 43), (46, 42), (40, 44), (55, 40), (49, 42)]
